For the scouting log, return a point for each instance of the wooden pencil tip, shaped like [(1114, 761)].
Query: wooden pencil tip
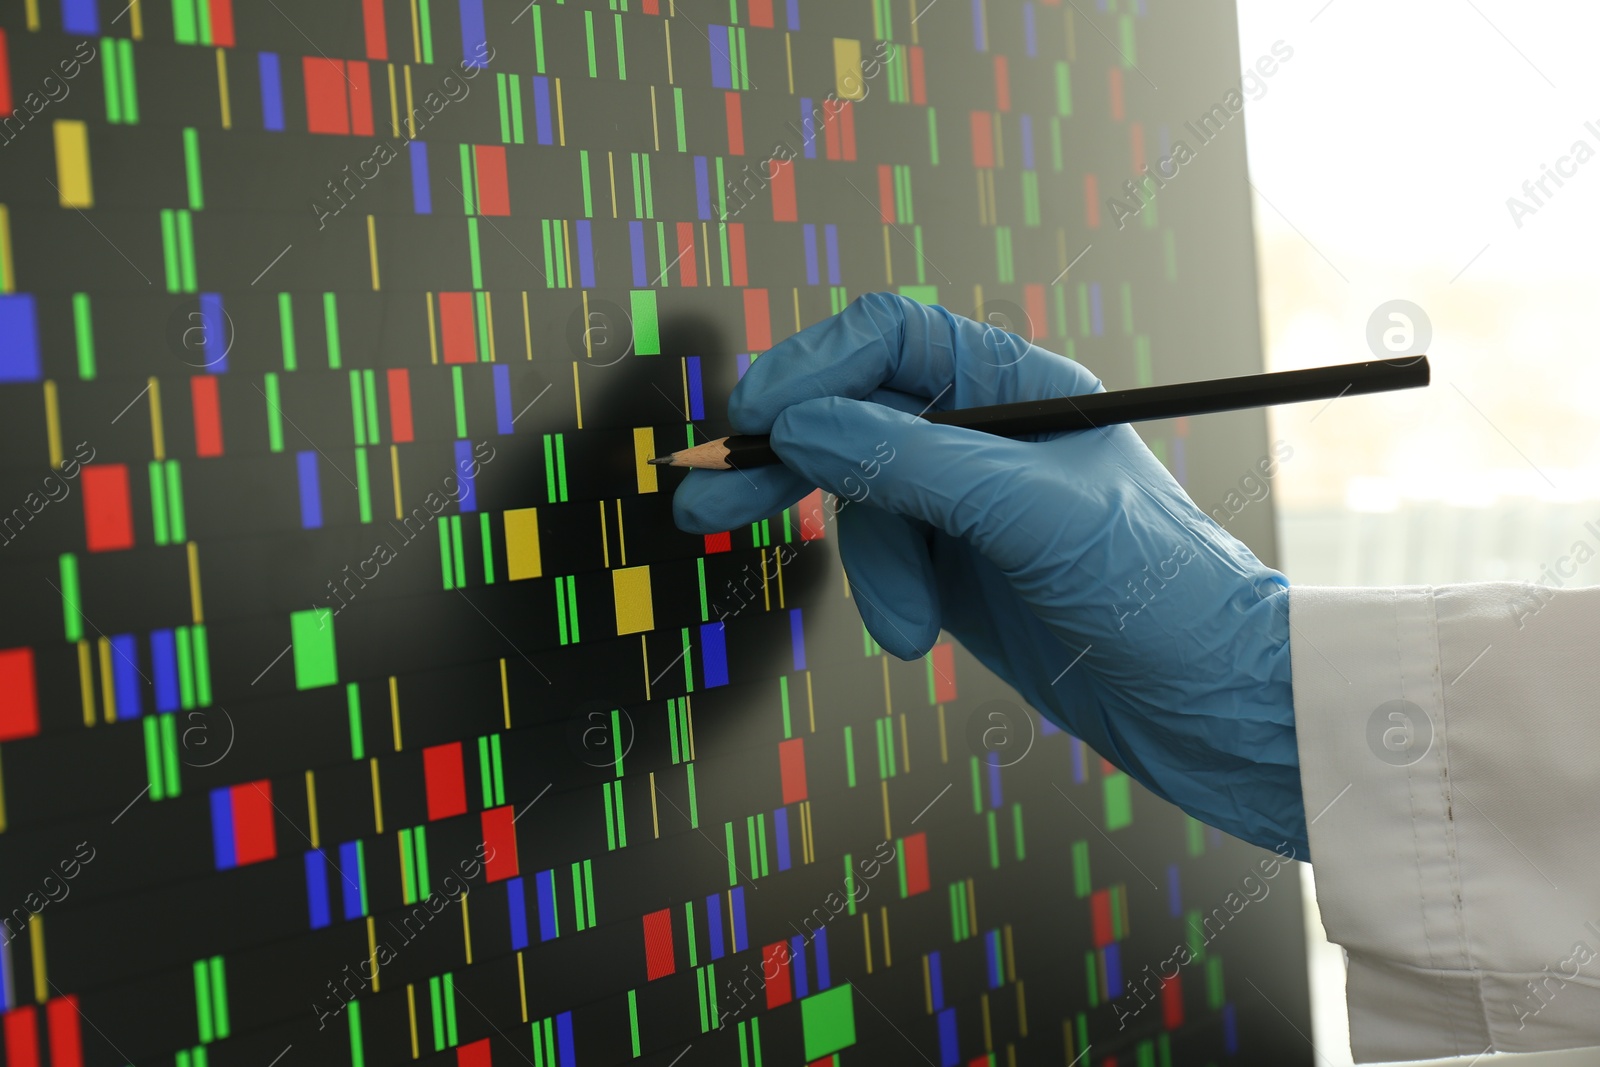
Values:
[(660, 461)]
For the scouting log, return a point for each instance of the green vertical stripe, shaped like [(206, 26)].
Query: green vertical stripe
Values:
[(588, 31), (459, 391), (152, 756), (169, 250), (202, 666), (622, 60), (169, 754), (363, 486), (358, 743), (274, 414), (83, 330), (286, 329), (191, 163), (158, 504), (175, 502), (330, 314), (111, 80), (425, 18), (186, 250), (488, 548)]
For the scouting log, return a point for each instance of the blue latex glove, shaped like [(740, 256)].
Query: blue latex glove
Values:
[(1072, 565)]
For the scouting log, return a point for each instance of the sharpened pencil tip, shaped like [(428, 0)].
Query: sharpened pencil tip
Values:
[(660, 461)]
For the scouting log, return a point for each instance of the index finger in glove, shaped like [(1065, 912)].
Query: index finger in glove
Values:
[(883, 340)]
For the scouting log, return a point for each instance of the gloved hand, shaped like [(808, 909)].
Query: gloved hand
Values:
[(1073, 565)]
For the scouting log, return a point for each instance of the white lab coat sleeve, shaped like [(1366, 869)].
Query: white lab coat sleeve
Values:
[(1449, 745)]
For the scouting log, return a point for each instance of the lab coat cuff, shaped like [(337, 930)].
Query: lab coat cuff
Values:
[(1370, 730)]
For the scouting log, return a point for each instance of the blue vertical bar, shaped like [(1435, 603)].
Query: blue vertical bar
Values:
[(714, 925), (474, 42), (79, 16), (1027, 142), (830, 234), (1077, 762), (811, 254), (585, 255), (214, 322), (421, 191), (1230, 1031), (793, 11), (797, 965), (164, 665), (991, 945), (713, 654), (518, 907), (797, 637), (467, 495), (222, 827), (1174, 897), (564, 1039), (19, 339), (541, 109), (702, 193), (545, 883), (1097, 325), (994, 783), (737, 935), (978, 38), (271, 91), (697, 396), (780, 822), (949, 1050), (742, 363), (502, 398), (636, 247), (1028, 30), (936, 979), (350, 876), (1113, 957), (819, 945), (310, 491), (125, 675), (808, 128), (317, 888), (721, 68)]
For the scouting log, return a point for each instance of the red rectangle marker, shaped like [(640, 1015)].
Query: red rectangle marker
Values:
[(741, 276), (1091, 201), (107, 507), (22, 1037), (377, 35), (19, 694), (813, 525), (360, 98), (66, 1039), (775, 969), (942, 665), (885, 193), (783, 202), (327, 109), (761, 13), (1033, 303), (915, 851), (658, 954), (792, 769), (500, 844), (254, 836), (400, 404), (1172, 1002), (757, 320), (686, 268), (207, 415), (1100, 917), (494, 195), (982, 139), (477, 1054), (735, 113), (222, 23), (446, 781), (919, 85), (458, 328), (719, 542), (1002, 84)]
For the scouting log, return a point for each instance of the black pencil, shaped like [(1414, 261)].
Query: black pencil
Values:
[(1091, 410)]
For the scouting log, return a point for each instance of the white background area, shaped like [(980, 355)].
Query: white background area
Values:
[(1382, 156)]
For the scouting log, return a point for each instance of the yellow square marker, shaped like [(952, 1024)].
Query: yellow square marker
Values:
[(72, 164), (522, 544), (631, 587), (848, 84), (644, 447)]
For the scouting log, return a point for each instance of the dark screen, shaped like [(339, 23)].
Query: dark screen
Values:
[(359, 700)]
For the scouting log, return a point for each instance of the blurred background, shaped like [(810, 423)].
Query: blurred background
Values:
[(1382, 159)]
